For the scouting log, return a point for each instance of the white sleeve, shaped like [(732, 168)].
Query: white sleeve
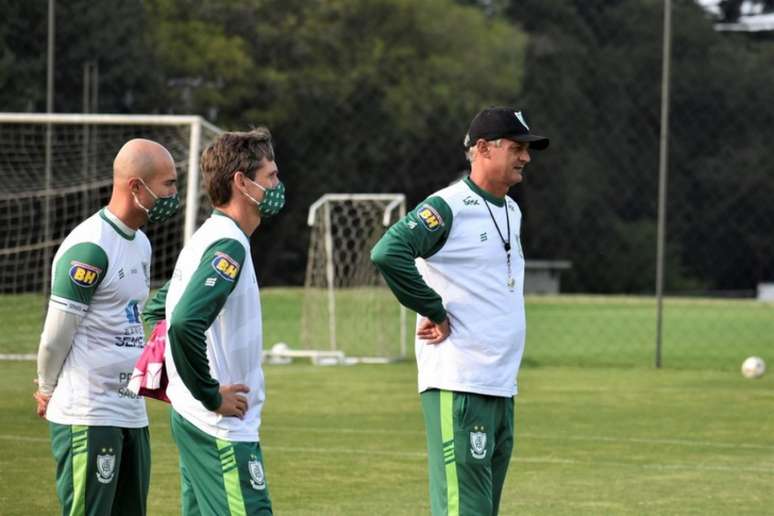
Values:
[(55, 344)]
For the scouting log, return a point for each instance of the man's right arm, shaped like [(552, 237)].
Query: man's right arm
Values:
[(56, 341), (204, 296), (421, 233), (78, 273), (153, 312)]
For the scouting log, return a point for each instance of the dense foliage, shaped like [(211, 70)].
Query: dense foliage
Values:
[(375, 96)]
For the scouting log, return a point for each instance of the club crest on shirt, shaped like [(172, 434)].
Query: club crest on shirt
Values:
[(83, 274), (106, 466), (226, 267), (429, 217), (478, 443), (257, 477)]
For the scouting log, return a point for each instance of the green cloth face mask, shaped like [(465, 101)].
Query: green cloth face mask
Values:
[(273, 199), (163, 207)]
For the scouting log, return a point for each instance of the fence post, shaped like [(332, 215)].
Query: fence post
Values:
[(663, 168)]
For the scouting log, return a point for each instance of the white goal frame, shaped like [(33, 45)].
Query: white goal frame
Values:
[(321, 208), (195, 122), (196, 125)]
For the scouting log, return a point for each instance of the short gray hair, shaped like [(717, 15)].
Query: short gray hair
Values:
[(470, 153)]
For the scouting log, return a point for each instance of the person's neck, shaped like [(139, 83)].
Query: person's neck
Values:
[(497, 189), (245, 215), (123, 207)]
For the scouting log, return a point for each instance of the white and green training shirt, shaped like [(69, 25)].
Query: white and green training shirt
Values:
[(101, 272), (446, 258), (214, 330)]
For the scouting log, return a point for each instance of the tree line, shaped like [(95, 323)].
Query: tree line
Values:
[(376, 95)]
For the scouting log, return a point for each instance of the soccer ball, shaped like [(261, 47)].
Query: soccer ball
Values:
[(278, 354), (753, 367)]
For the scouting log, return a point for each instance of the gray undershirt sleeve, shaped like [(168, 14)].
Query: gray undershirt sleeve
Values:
[(55, 344)]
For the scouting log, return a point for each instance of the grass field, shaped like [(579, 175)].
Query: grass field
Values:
[(693, 438), (349, 441), (562, 330)]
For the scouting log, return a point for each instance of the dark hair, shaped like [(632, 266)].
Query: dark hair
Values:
[(229, 153)]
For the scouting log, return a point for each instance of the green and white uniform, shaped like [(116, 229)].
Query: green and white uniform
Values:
[(213, 312), (446, 258), (101, 273)]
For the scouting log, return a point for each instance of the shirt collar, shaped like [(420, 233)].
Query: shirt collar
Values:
[(219, 213), (497, 201), (121, 228)]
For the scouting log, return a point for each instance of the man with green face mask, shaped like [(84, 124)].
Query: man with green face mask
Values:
[(215, 336), (93, 335)]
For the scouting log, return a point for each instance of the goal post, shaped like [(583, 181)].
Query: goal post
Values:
[(56, 170), (347, 307)]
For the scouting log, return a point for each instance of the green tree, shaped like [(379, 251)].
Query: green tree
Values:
[(593, 80), (110, 33), (23, 56), (362, 96)]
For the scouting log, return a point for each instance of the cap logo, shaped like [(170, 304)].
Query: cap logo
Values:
[(521, 119)]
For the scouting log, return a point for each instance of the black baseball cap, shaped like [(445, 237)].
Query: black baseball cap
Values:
[(502, 122)]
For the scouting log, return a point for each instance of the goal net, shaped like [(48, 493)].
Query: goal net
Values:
[(347, 306), (55, 171)]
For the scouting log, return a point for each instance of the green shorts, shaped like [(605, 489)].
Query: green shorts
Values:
[(101, 470), (219, 478), (469, 444)]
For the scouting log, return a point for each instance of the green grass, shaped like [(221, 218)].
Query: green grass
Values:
[(621, 331), (21, 319), (562, 330), (350, 441), (371, 312), (693, 438)]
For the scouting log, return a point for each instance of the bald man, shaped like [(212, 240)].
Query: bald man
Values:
[(93, 335)]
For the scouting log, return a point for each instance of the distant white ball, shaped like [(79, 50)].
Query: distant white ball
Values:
[(279, 348), (753, 367), (277, 355)]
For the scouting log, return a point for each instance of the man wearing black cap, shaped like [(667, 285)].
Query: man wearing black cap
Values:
[(457, 261)]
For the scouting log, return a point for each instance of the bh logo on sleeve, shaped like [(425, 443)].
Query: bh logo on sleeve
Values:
[(430, 218), (226, 267), (83, 274)]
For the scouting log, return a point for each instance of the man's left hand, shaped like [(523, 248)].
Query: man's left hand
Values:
[(433, 333), (42, 400)]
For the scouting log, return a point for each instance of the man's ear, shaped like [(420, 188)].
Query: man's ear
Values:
[(239, 179), (482, 147), (134, 184)]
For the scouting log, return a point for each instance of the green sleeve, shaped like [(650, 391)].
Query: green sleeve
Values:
[(154, 310), (421, 233), (201, 302), (79, 271)]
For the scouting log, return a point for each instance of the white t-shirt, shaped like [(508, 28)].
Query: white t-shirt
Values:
[(102, 273), (214, 288), (470, 273), (447, 258)]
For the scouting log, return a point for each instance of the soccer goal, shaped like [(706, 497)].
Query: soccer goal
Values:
[(55, 171), (347, 308)]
